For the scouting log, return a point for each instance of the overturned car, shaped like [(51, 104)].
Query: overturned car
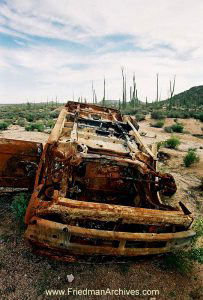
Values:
[(97, 189)]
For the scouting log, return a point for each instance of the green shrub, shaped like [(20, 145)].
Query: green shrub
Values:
[(196, 254), (198, 228), (182, 260), (30, 118), (139, 117), (54, 114), (177, 261), (191, 157), (21, 122), (200, 116), (50, 123), (172, 143), (157, 114), (158, 124), (168, 129), (130, 111), (144, 112), (35, 126), (40, 115), (159, 145), (9, 121), (178, 114), (19, 206), (3, 125), (174, 128), (177, 127), (7, 115)]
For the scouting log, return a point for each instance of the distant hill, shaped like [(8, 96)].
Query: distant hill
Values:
[(191, 97)]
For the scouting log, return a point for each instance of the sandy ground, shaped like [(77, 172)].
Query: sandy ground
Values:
[(26, 276), (187, 179), (19, 133)]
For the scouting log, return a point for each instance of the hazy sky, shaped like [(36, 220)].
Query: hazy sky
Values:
[(52, 48)]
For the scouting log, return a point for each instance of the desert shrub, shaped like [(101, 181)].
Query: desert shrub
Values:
[(185, 114), (50, 123), (30, 118), (182, 260), (159, 145), (41, 115), (54, 114), (177, 127), (139, 117), (172, 143), (19, 206), (178, 114), (200, 116), (195, 115), (36, 115), (22, 114), (191, 157), (196, 254), (144, 112), (35, 126), (168, 129), (21, 122), (171, 114), (158, 124), (174, 128), (7, 115), (9, 121), (129, 111), (3, 125), (198, 228), (157, 114), (177, 261)]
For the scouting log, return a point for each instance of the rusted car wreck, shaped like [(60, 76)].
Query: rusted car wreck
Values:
[(97, 190)]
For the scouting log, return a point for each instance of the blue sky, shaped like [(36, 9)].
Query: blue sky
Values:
[(52, 48)]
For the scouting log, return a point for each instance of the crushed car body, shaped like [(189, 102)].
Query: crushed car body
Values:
[(97, 190)]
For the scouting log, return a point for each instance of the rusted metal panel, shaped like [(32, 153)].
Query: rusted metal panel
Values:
[(40, 225), (97, 190), (55, 235), (108, 212), (19, 162)]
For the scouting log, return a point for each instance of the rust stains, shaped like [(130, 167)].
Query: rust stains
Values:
[(19, 162), (97, 190)]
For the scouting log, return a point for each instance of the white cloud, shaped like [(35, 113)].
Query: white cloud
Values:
[(163, 36)]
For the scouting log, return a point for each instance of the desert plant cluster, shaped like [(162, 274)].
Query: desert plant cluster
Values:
[(31, 116)]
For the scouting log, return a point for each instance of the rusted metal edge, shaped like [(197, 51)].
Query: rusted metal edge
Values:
[(42, 224), (56, 131), (139, 140), (107, 212), (58, 237)]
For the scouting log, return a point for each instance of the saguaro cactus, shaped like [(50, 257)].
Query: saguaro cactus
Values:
[(104, 97), (124, 87), (134, 91), (157, 87), (172, 89)]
